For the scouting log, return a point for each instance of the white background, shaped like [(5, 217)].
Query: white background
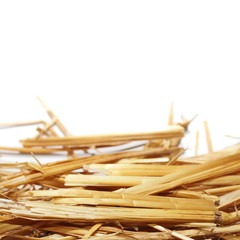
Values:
[(116, 66)]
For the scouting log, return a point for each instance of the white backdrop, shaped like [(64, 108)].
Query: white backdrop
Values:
[(116, 66)]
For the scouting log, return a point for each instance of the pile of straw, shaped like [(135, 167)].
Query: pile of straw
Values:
[(145, 191)]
